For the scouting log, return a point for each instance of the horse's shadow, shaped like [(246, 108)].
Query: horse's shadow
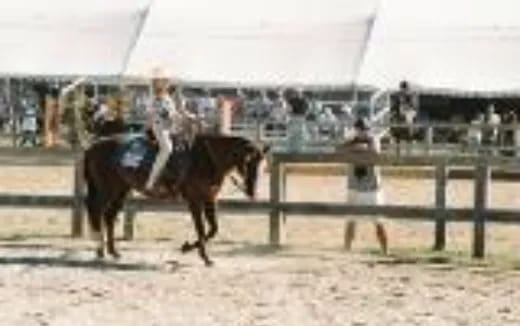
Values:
[(249, 249), (60, 261)]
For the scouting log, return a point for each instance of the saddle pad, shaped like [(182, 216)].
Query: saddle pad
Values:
[(137, 153)]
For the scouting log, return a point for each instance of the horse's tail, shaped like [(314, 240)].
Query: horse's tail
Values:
[(92, 193), (88, 175)]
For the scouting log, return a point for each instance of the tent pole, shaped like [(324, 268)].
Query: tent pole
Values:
[(137, 34)]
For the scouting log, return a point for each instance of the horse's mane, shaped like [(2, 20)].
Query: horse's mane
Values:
[(200, 150)]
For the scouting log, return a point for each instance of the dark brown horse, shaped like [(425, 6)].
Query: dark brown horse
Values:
[(211, 158)]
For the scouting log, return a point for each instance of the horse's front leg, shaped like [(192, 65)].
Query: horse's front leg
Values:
[(110, 220), (210, 213), (196, 214)]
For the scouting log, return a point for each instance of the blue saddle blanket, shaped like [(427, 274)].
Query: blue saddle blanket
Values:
[(137, 153)]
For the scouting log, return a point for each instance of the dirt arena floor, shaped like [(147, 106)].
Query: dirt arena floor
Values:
[(46, 278)]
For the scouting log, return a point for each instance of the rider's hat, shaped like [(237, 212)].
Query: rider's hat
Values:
[(160, 72)]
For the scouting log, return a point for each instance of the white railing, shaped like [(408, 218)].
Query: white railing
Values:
[(278, 137)]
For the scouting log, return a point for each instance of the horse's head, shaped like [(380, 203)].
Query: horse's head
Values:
[(248, 157)]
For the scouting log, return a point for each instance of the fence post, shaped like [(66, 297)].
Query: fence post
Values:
[(129, 218), (482, 179), (78, 196), (276, 220), (441, 177)]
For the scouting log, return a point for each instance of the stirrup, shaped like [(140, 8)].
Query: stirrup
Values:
[(160, 192)]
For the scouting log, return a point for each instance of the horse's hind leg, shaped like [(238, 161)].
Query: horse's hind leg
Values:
[(210, 212), (95, 203), (110, 219)]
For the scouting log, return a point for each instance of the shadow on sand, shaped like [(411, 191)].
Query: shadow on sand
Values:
[(249, 249), (61, 261)]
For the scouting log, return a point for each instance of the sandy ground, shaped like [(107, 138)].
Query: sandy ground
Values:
[(46, 278)]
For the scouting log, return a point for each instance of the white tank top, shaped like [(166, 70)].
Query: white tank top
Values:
[(164, 113)]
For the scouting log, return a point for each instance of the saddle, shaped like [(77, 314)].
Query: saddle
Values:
[(138, 152)]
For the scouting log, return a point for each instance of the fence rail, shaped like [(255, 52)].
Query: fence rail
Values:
[(479, 214)]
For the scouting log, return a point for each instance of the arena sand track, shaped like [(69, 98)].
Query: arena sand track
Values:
[(48, 279)]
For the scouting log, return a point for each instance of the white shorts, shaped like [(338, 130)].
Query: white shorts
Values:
[(365, 198)]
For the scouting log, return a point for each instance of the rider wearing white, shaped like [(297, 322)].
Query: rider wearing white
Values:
[(164, 118)]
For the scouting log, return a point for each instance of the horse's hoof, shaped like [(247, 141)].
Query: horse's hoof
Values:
[(100, 254), (116, 255), (185, 247), (209, 263)]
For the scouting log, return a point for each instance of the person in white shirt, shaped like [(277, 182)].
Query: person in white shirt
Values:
[(328, 122), (29, 122), (364, 181), (475, 132), (164, 118), (490, 130)]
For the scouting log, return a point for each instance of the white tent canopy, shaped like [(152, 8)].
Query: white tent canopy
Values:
[(62, 37), (266, 42), (469, 45)]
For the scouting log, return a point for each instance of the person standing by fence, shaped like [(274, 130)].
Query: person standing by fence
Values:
[(490, 130), (52, 117), (29, 122), (405, 112), (364, 181), (297, 131)]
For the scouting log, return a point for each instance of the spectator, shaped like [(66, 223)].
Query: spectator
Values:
[(297, 132), (490, 130), (475, 132), (4, 112), (29, 123), (206, 107), (52, 117), (364, 181), (137, 113), (312, 117), (328, 123), (408, 102), (509, 118), (298, 105)]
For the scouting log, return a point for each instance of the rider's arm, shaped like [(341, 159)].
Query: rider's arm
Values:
[(185, 113), (179, 106)]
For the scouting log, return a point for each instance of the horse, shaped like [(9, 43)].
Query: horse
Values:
[(211, 159)]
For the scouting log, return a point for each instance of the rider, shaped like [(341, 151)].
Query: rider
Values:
[(165, 117)]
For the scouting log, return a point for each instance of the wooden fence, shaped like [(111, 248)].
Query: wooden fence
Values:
[(278, 208), (440, 213)]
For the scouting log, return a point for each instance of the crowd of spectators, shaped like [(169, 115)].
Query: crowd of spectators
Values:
[(34, 111)]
